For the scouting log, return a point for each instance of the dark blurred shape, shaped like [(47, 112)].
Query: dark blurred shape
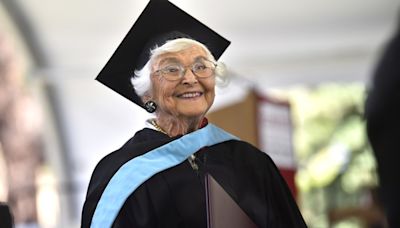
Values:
[(383, 126), (6, 219)]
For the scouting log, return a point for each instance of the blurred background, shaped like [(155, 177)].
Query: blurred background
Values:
[(299, 73)]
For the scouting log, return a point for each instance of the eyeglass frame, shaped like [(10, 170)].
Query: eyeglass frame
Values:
[(183, 70)]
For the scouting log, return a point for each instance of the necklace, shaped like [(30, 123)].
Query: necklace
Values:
[(192, 157), (154, 123)]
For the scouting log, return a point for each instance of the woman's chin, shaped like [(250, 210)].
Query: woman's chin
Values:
[(192, 109), (192, 113)]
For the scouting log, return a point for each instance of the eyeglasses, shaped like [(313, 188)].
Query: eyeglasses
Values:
[(202, 69)]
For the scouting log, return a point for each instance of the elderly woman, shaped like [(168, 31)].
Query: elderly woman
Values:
[(157, 178), (180, 80)]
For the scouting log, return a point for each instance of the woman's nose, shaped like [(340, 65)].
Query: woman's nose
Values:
[(189, 77)]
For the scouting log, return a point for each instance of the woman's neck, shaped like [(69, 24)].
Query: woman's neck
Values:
[(174, 126)]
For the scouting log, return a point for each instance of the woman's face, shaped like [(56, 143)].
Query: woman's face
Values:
[(188, 97)]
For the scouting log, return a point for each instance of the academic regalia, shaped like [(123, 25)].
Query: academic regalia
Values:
[(149, 182), (176, 197)]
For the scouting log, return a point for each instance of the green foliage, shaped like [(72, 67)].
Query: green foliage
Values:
[(335, 161)]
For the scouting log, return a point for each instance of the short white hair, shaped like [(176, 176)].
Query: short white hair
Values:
[(141, 80)]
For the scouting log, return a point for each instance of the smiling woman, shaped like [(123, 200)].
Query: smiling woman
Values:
[(182, 96), (157, 178)]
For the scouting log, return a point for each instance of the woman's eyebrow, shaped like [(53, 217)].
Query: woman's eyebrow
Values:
[(176, 60), (169, 60), (200, 57)]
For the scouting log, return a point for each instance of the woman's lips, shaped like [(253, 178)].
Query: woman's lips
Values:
[(190, 95)]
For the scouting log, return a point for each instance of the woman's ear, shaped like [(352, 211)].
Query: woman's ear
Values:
[(147, 97)]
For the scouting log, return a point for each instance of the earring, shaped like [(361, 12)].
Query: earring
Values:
[(150, 106)]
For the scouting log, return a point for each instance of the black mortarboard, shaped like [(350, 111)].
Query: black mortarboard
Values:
[(160, 21)]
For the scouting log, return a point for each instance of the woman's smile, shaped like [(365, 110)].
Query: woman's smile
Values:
[(190, 95)]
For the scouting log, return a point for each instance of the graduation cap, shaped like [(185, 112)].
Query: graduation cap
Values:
[(159, 22)]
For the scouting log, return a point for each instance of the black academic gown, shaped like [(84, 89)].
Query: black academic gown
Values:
[(176, 197)]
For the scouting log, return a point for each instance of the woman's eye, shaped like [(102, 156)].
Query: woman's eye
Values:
[(198, 67), (172, 69)]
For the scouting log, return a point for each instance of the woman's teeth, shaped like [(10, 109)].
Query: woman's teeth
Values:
[(190, 95)]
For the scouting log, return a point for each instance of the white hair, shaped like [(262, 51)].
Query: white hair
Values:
[(141, 80)]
